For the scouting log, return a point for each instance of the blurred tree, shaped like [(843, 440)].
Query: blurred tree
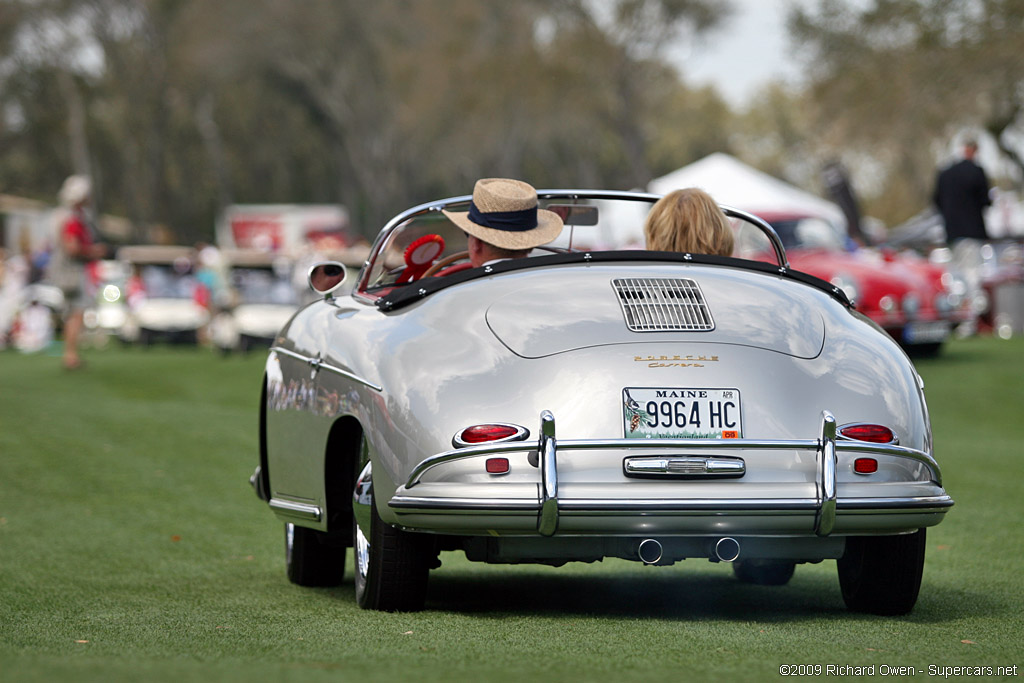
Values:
[(615, 52), (180, 107), (688, 125), (901, 77), (42, 128)]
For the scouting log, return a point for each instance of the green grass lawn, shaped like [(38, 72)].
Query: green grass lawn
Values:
[(132, 548)]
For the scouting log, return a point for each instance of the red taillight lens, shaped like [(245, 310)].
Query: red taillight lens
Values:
[(498, 466), (865, 465), (485, 433), (870, 433)]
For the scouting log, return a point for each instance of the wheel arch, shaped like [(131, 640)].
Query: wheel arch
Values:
[(341, 455), (264, 473)]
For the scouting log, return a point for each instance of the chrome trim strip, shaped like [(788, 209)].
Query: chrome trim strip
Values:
[(295, 509), (529, 505), (317, 365), (683, 466), (548, 523), (938, 504), (761, 504), (677, 445), (825, 519), (887, 504)]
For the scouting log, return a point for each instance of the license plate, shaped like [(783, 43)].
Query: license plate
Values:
[(681, 413), (926, 332)]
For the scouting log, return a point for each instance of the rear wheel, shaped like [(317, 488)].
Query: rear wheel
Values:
[(312, 557), (392, 566), (764, 572), (929, 350), (882, 574)]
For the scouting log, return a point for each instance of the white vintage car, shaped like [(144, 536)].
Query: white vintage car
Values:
[(261, 299), (165, 300), (591, 402)]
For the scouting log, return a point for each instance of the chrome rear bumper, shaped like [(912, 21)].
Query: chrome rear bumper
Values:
[(550, 507)]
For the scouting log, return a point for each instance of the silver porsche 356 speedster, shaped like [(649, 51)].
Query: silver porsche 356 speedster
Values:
[(590, 401)]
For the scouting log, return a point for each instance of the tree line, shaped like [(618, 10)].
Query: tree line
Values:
[(178, 108)]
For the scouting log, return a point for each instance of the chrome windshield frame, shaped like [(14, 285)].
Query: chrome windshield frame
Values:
[(384, 236)]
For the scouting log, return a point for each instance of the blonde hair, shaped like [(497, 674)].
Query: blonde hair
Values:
[(688, 221)]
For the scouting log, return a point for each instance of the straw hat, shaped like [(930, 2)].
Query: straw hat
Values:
[(75, 190), (504, 213)]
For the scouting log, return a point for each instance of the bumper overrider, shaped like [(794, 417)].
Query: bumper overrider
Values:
[(816, 510)]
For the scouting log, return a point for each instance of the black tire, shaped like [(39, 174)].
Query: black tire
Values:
[(882, 574), (764, 572), (311, 557), (929, 350), (392, 567)]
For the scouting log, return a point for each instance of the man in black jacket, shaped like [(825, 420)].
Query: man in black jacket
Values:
[(961, 194)]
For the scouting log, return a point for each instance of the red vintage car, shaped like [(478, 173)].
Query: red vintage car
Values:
[(917, 302)]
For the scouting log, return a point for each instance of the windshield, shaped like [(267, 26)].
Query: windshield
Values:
[(809, 233), (592, 224), (167, 281)]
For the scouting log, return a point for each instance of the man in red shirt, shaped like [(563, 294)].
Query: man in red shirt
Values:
[(76, 269)]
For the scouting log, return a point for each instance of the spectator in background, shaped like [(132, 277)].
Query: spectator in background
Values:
[(73, 265), (34, 329), (961, 195), (688, 221), (13, 279)]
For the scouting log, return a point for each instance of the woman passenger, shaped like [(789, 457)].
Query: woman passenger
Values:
[(688, 221)]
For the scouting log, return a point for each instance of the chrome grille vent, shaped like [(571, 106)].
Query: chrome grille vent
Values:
[(663, 304)]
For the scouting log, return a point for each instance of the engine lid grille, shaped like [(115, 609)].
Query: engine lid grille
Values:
[(663, 305)]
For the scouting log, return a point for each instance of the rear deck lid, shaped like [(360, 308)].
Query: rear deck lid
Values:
[(576, 308)]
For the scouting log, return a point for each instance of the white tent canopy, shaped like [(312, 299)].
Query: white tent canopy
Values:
[(737, 185)]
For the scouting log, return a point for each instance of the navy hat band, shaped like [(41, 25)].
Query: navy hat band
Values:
[(512, 221)]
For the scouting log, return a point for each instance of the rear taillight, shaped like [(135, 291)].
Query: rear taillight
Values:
[(483, 433), (489, 433), (868, 432)]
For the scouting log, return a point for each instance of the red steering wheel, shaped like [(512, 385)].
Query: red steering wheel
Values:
[(448, 260)]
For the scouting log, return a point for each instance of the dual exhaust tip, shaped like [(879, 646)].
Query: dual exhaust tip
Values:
[(725, 550)]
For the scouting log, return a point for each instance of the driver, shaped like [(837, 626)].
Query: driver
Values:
[(503, 221)]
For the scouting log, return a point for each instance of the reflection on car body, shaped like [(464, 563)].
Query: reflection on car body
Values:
[(491, 410)]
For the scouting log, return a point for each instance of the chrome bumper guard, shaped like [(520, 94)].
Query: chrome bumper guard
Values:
[(825, 446)]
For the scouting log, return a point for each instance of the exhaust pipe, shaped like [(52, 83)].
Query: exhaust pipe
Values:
[(727, 549), (649, 551)]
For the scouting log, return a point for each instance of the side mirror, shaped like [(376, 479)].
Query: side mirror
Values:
[(326, 278)]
